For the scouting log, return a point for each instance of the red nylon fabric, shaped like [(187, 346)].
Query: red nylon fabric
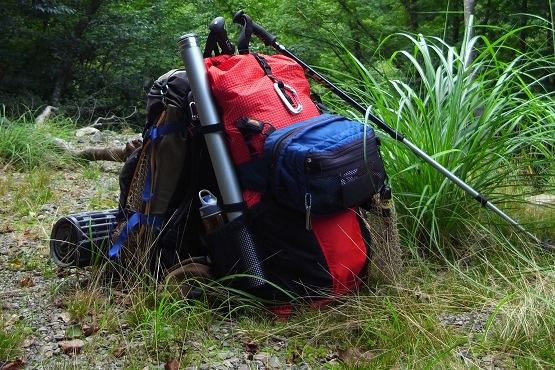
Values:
[(242, 89), (341, 241)]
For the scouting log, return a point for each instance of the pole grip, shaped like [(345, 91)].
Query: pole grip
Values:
[(266, 37)]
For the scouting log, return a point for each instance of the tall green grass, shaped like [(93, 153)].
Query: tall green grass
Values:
[(25, 145), (486, 119)]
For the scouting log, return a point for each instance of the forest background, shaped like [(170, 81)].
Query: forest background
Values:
[(99, 57), (474, 292)]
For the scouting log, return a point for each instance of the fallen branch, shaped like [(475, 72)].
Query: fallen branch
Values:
[(101, 154), (46, 113), (102, 122)]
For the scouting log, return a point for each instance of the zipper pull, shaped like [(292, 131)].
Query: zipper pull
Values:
[(307, 206)]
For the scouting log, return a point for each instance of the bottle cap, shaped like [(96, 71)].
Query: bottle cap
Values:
[(207, 198)]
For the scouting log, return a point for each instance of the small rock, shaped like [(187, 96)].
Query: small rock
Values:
[(274, 362), (65, 316), (49, 208), (97, 137), (86, 131), (224, 355), (232, 363), (59, 336), (47, 351), (262, 357)]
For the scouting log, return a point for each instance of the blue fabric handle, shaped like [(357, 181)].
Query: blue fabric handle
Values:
[(134, 220)]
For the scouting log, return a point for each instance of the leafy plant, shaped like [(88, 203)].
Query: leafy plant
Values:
[(483, 118), (24, 145), (12, 335)]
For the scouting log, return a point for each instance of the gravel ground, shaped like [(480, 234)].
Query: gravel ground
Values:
[(33, 294)]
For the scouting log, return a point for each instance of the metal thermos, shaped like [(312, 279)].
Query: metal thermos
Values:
[(210, 211)]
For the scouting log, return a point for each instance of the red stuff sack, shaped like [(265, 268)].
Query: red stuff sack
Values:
[(257, 94)]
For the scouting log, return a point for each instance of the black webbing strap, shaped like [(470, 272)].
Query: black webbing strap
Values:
[(245, 36), (268, 71), (235, 207), (248, 126)]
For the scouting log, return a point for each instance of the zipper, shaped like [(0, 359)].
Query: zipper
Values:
[(331, 161), (282, 141), (308, 206)]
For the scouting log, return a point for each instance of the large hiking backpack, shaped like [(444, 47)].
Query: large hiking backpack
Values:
[(302, 257), (300, 260)]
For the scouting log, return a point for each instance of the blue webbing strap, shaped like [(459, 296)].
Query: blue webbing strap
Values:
[(134, 220), (139, 218)]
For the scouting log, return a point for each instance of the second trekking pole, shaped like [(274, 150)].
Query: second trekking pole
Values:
[(270, 40)]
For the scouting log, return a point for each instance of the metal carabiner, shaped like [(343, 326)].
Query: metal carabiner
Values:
[(298, 106)]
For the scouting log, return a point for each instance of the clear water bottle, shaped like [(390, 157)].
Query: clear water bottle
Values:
[(210, 212)]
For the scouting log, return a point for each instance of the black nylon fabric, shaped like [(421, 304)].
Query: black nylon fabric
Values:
[(291, 252), (171, 88)]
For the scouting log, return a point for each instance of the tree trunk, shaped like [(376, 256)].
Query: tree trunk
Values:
[(100, 154), (411, 6), (69, 61), (523, 22), (488, 13), (469, 6), (456, 27)]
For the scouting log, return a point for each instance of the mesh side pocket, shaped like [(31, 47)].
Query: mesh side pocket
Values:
[(349, 185), (326, 194), (233, 250)]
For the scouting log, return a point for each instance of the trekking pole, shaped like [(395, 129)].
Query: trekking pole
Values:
[(270, 40), (216, 143)]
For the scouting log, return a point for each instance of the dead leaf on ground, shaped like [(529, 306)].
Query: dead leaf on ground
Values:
[(251, 347), (171, 364), (60, 303), (28, 342), (296, 356), (17, 364), (89, 330), (421, 296), (27, 282), (62, 272), (65, 316), (72, 346), (12, 320), (353, 356), (120, 351), (7, 229)]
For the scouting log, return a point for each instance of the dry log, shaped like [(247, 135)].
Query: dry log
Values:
[(101, 154), (103, 122), (46, 113)]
